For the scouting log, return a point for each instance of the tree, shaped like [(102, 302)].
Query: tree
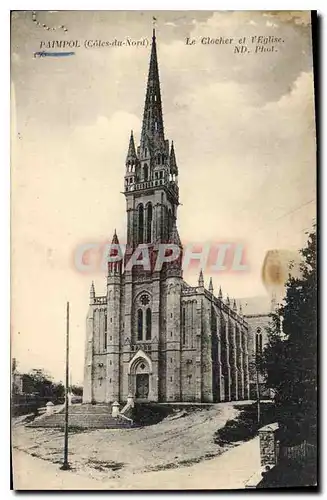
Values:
[(40, 383), (77, 390), (290, 357)]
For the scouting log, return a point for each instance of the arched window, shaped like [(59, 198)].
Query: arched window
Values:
[(140, 223), (148, 324), (258, 342), (149, 223), (139, 324), (146, 172)]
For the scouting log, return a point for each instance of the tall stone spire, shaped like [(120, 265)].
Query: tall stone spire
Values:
[(220, 294), (201, 281), (152, 128), (210, 286)]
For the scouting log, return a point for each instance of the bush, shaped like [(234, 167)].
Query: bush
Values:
[(245, 425)]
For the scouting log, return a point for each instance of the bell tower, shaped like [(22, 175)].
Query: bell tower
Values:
[(151, 177), (152, 199)]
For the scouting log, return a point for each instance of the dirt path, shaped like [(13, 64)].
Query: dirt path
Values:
[(179, 440), (231, 470)]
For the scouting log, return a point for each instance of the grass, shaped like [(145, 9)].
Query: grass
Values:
[(245, 426), (150, 414)]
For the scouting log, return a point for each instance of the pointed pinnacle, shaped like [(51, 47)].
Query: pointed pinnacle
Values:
[(92, 290), (227, 300), (220, 294), (201, 281), (210, 286), (234, 305), (131, 154), (172, 159)]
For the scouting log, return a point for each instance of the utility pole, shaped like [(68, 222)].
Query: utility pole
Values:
[(66, 465)]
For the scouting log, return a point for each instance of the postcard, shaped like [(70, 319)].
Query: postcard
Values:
[(163, 249)]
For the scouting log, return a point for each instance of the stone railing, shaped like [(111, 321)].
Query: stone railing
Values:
[(189, 291), (146, 347), (138, 186), (145, 185), (100, 300)]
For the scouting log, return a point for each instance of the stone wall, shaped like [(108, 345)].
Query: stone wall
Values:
[(268, 436), (198, 348)]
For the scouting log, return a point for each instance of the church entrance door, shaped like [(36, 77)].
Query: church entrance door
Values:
[(142, 385)]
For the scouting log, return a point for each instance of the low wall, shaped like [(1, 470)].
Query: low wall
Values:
[(269, 444)]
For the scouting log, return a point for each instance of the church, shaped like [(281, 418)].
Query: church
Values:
[(153, 336)]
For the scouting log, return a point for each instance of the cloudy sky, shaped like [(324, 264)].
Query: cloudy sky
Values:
[(243, 130)]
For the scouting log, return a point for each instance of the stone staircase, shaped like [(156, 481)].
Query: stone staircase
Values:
[(84, 416)]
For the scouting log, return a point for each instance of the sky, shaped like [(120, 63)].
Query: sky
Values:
[(244, 137)]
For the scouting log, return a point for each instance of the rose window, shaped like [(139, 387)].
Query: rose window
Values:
[(144, 299)]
